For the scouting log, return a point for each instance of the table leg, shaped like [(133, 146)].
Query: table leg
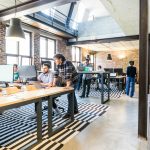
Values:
[(108, 86), (72, 106), (50, 116), (39, 119), (102, 88)]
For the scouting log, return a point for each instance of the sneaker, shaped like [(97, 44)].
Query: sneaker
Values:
[(66, 116), (76, 112), (82, 96)]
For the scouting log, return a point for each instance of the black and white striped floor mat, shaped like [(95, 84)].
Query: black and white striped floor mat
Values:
[(18, 131), (114, 92)]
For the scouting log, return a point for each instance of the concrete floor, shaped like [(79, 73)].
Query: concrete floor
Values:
[(115, 130)]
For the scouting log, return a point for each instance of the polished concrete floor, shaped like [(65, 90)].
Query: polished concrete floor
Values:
[(115, 130)]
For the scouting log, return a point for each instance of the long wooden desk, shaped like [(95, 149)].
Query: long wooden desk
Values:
[(36, 96)]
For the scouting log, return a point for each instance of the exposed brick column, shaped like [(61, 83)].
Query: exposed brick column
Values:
[(2, 44), (63, 49), (36, 53)]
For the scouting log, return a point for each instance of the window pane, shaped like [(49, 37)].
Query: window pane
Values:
[(12, 60), (73, 54), (42, 47), (25, 61), (52, 62), (51, 48), (77, 54), (24, 46), (92, 58), (11, 47)]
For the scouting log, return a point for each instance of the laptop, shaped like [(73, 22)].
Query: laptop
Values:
[(113, 74)]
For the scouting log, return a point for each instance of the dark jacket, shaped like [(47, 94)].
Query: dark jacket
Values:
[(131, 71)]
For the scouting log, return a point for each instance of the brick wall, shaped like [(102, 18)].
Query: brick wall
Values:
[(2, 43), (36, 50), (62, 48), (119, 59)]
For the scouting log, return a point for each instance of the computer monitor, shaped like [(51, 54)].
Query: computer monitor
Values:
[(88, 69), (119, 71), (110, 70), (6, 73), (28, 72)]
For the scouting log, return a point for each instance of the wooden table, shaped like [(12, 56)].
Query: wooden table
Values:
[(36, 96)]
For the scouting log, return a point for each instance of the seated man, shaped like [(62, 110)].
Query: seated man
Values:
[(46, 79)]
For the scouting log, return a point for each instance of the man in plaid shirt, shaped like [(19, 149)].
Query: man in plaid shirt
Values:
[(69, 78)]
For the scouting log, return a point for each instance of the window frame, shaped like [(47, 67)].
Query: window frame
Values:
[(47, 38), (80, 59), (19, 57), (46, 58)]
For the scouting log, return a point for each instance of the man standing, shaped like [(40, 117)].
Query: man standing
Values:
[(130, 80), (69, 78), (86, 81)]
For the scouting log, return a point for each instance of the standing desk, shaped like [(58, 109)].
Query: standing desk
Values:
[(101, 75)]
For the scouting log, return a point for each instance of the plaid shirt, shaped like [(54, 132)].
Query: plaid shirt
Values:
[(67, 72)]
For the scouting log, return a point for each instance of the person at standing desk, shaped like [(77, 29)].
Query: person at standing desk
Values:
[(86, 81), (69, 76), (46, 80), (130, 80)]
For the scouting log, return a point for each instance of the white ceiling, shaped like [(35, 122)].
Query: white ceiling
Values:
[(126, 14), (113, 46), (9, 3)]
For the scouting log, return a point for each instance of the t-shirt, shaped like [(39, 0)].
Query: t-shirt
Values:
[(131, 71), (16, 76)]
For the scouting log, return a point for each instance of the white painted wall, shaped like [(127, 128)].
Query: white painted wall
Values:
[(103, 27)]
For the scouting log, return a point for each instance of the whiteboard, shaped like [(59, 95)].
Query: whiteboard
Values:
[(6, 73)]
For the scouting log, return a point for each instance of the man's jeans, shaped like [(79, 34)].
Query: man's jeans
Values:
[(130, 86), (70, 98)]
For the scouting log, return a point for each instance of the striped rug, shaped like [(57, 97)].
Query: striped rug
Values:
[(18, 130), (114, 92)]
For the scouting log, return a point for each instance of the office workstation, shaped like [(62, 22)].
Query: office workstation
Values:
[(73, 75)]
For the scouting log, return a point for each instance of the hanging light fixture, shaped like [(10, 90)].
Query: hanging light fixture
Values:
[(109, 58), (15, 31)]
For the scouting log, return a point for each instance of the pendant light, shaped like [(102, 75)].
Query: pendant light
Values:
[(15, 31), (109, 58)]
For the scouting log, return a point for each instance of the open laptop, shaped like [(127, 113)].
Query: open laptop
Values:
[(113, 74)]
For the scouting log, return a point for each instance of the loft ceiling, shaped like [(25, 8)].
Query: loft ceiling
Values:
[(113, 46), (4, 4), (28, 7)]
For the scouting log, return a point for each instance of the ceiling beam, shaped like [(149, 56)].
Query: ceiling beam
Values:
[(106, 40), (70, 13), (31, 7)]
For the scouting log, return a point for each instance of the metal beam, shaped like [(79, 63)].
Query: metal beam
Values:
[(143, 69), (70, 13), (106, 40), (31, 7)]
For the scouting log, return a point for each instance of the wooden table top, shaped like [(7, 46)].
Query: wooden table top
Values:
[(118, 77), (91, 72), (28, 96)]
